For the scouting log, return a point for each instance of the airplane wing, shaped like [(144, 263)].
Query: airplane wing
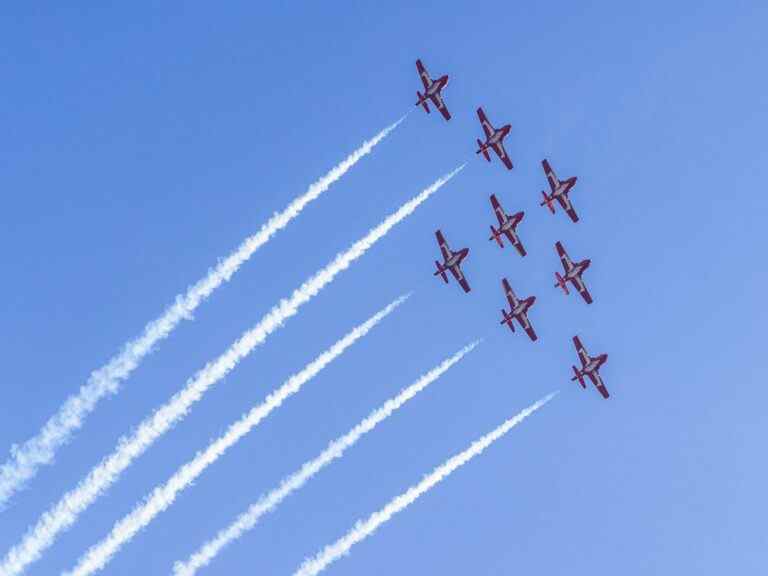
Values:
[(582, 288), (598, 382), (551, 176), (581, 351), (502, 154), (515, 240), (425, 79), (484, 122), (567, 264), (437, 99), (460, 278), (565, 202), (501, 216), (511, 298), (443, 245), (526, 324)]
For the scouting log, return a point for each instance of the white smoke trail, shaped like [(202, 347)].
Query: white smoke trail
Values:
[(67, 510), (39, 450), (363, 529), (335, 449), (163, 496)]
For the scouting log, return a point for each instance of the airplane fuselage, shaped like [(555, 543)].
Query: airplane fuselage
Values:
[(577, 270), (511, 222), (564, 187), (437, 86), (455, 258), (593, 366), (523, 306), (498, 135)]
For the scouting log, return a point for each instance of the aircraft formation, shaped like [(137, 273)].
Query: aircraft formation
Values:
[(507, 227)]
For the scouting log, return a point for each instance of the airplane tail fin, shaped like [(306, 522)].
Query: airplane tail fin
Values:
[(578, 376), (422, 101), (561, 283), (441, 272), (507, 320), (547, 202), (496, 235), (483, 150)]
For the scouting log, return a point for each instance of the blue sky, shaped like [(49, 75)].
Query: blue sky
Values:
[(141, 143)]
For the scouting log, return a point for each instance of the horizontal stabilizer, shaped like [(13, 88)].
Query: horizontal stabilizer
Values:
[(547, 202), (484, 150), (561, 283), (507, 320), (422, 101), (496, 235), (441, 272), (578, 376)]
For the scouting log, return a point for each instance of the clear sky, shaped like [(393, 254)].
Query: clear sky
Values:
[(141, 143)]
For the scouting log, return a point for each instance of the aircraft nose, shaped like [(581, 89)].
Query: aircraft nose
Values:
[(533, 300)]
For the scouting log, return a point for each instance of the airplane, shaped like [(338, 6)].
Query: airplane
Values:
[(507, 225), (519, 310), (432, 89), (573, 274), (589, 367), (451, 261), (560, 190), (493, 139)]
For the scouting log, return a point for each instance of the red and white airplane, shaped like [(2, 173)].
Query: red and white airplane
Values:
[(451, 261), (590, 366), (573, 274), (432, 89), (507, 225), (493, 139), (560, 190), (519, 310)]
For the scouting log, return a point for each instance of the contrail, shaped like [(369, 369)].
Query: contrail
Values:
[(363, 529), (40, 449), (163, 496), (335, 449), (66, 511)]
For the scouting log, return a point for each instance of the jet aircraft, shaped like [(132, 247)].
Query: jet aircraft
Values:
[(451, 262), (494, 138), (518, 310), (559, 191), (590, 366), (507, 226), (432, 91), (573, 272)]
